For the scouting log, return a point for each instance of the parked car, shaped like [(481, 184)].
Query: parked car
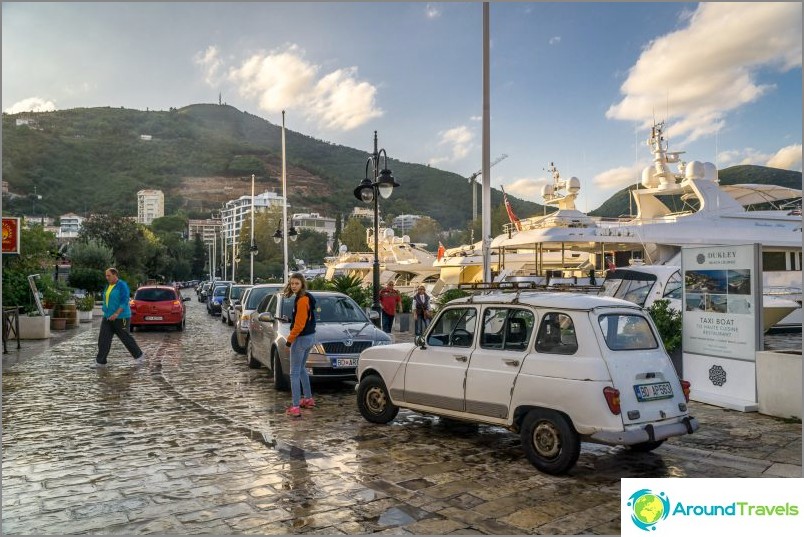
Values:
[(216, 296), (343, 330), (559, 368), (158, 305), (203, 290), (233, 296), (248, 305)]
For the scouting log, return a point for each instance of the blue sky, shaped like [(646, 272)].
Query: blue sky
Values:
[(577, 84)]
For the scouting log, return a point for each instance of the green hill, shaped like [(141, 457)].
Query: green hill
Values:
[(94, 160), (618, 204)]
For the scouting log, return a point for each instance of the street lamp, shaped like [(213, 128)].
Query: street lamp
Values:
[(253, 248), (367, 191), (292, 234)]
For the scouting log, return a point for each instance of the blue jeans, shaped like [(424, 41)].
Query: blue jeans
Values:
[(421, 324), (299, 379), (387, 322)]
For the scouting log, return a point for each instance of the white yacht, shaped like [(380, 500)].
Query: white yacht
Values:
[(405, 263), (713, 215)]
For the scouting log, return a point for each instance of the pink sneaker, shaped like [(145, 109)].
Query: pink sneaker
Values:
[(307, 403), (294, 412)]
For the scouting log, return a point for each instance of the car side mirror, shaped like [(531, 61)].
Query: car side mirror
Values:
[(374, 315), (420, 342), (238, 307), (266, 317), (185, 299)]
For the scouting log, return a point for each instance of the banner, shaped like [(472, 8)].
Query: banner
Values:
[(11, 235)]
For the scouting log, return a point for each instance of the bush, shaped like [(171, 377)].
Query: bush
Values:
[(87, 303), (668, 322), (407, 303), (449, 295), (90, 279)]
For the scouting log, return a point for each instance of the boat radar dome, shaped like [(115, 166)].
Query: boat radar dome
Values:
[(388, 233), (574, 184), (648, 179), (547, 191)]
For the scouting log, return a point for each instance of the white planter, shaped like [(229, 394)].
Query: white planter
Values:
[(34, 327), (779, 383), (85, 316)]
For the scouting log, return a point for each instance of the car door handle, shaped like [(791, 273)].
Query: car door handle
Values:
[(459, 357), (513, 363)]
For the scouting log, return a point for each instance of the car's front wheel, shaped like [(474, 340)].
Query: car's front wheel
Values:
[(253, 363), (280, 382), (550, 442), (374, 402)]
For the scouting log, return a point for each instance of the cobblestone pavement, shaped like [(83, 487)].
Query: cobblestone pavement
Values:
[(196, 442)]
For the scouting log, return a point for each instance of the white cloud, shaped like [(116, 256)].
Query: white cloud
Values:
[(284, 79), (432, 12), (698, 74), (31, 104), (787, 158), (554, 40), (458, 142), (527, 188), (618, 177), (211, 64)]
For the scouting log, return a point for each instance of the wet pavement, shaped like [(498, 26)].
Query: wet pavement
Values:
[(194, 441)]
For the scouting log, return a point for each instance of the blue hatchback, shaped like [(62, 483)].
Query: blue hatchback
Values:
[(216, 297)]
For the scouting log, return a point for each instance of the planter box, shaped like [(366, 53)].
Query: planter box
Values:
[(34, 327), (85, 316), (404, 321), (779, 383)]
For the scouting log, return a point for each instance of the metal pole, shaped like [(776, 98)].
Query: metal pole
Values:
[(284, 205), (376, 265), (251, 244), (486, 193)]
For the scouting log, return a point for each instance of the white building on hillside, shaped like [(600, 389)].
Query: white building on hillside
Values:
[(209, 230), (405, 222), (315, 222), (235, 212), (150, 205), (69, 226)]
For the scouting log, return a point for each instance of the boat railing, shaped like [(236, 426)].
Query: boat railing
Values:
[(605, 222)]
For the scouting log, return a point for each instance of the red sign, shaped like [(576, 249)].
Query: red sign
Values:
[(11, 235)]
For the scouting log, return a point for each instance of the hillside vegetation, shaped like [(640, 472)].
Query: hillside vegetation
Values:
[(93, 160)]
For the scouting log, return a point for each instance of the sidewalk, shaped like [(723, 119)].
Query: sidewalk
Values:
[(34, 347)]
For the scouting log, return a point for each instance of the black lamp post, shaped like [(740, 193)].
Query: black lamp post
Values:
[(367, 191)]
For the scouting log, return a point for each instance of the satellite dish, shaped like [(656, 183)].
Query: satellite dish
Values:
[(343, 248)]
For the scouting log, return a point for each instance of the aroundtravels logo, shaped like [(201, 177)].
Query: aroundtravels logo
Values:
[(648, 508)]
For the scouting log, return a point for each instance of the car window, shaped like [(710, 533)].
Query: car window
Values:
[(338, 309), (236, 292), (256, 295), (455, 327), (557, 334), (268, 304), (506, 328), (627, 332), (220, 291), (155, 295)]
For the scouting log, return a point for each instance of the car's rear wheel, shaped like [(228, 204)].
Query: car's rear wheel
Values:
[(645, 447), (550, 442), (223, 319), (239, 349), (229, 320), (253, 363), (180, 326), (280, 381), (374, 402)]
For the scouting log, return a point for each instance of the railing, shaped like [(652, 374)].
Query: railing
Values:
[(11, 325)]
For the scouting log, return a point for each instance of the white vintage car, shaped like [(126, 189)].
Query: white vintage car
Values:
[(559, 368)]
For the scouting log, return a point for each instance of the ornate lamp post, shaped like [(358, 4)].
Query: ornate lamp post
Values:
[(368, 191)]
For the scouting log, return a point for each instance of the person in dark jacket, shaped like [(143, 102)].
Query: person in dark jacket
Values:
[(300, 340), (116, 319)]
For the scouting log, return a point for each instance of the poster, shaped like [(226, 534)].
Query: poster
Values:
[(11, 235)]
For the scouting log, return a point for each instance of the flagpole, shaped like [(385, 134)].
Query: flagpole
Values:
[(486, 193), (284, 203)]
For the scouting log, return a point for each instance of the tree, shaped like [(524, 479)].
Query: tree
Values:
[(310, 246), (426, 230), (122, 235), (91, 254), (170, 224), (354, 236), (199, 257)]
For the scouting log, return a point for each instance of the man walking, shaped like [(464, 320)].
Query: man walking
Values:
[(116, 318), (391, 302)]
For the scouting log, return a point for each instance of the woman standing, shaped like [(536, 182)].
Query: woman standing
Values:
[(421, 310), (300, 340)]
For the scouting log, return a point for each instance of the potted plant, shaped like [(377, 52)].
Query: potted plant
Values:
[(407, 313), (85, 306), (33, 325)]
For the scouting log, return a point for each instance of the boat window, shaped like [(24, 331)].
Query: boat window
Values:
[(455, 327), (673, 287), (557, 335), (627, 332)]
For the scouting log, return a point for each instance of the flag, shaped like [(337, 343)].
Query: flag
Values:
[(440, 251), (511, 216)]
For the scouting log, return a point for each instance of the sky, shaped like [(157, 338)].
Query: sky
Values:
[(574, 84)]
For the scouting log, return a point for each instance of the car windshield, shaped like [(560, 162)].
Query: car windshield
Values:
[(237, 292), (256, 295), (219, 291), (155, 295), (330, 309)]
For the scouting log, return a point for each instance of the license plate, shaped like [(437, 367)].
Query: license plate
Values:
[(153, 318), (651, 392), (344, 362)]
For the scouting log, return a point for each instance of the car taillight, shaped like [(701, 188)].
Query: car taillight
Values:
[(685, 387), (612, 396), (132, 305)]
